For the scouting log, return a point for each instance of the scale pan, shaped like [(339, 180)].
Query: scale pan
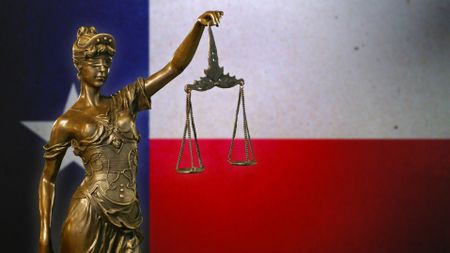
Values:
[(242, 163), (190, 170)]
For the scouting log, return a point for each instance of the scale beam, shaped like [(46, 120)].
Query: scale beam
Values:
[(214, 74)]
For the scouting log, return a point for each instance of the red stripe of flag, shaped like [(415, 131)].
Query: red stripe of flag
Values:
[(304, 196)]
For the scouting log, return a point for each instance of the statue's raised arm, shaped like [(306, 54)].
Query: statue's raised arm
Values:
[(183, 55)]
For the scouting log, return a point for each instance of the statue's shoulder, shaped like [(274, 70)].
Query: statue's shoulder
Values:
[(69, 121), (62, 130)]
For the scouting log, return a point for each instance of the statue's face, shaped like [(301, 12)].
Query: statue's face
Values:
[(94, 71)]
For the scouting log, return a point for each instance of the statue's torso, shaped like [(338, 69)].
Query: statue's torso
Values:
[(106, 139), (108, 148)]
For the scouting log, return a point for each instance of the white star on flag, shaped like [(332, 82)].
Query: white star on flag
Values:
[(44, 128)]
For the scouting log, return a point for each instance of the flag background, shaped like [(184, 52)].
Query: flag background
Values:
[(348, 106), (347, 103)]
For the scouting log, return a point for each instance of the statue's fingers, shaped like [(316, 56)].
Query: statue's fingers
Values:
[(219, 14), (214, 19), (218, 17)]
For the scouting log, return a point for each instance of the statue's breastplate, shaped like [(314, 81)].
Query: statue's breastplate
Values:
[(111, 171), (110, 156)]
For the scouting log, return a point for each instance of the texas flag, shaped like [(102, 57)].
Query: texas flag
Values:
[(347, 106)]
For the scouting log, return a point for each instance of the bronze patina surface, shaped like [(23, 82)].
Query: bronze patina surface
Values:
[(104, 214)]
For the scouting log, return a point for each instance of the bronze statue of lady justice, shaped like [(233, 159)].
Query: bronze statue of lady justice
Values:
[(104, 214)]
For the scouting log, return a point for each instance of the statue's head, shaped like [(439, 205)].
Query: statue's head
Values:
[(92, 54)]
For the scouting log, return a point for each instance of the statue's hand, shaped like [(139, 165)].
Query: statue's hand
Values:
[(210, 18)]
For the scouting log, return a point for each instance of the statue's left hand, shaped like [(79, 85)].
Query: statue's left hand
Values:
[(210, 18)]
